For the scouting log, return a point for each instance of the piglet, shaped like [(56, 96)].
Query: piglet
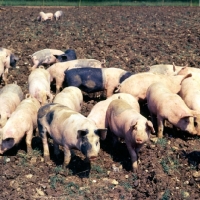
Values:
[(21, 122), (39, 85), (96, 79), (45, 56), (10, 97), (7, 60), (126, 122), (69, 129), (169, 106), (98, 112), (138, 84), (58, 14), (57, 70), (71, 97), (45, 16)]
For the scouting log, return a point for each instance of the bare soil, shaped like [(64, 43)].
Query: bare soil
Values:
[(130, 38)]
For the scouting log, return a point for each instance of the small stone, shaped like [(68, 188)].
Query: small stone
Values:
[(94, 181), (40, 192), (114, 182), (152, 146), (126, 176), (17, 67), (177, 188), (33, 160), (186, 194), (29, 176), (18, 189), (108, 172), (7, 160), (42, 159), (154, 139), (186, 182), (196, 174)]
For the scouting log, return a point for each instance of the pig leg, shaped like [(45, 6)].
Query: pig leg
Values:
[(43, 135), (133, 155), (59, 82), (29, 136), (5, 78), (160, 126), (56, 149), (67, 156)]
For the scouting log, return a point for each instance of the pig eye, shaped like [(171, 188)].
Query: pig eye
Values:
[(97, 143)]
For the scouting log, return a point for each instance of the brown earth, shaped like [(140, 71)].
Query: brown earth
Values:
[(131, 38)]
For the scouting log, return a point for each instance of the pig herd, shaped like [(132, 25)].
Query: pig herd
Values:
[(49, 16), (171, 92)]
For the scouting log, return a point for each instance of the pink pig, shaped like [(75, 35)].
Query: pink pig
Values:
[(10, 97), (22, 122), (45, 16), (98, 112), (45, 56), (126, 122), (190, 93), (69, 129), (7, 60), (39, 85), (57, 70), (169, 106), (58, 14), (71, 97), (138, 84)]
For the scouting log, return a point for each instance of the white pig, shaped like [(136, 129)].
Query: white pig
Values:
[(69, 129), (138, 84), (57, 70), (39, 85), (45, 16), (190, 93), (7, 60), (45, 56), (10, 97), (126, 122), (58, 14), (169, 106), (21, 122), (71, 97), (166, 69), (98, 112)]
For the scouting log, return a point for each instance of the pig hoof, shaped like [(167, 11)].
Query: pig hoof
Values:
[(46, 159)]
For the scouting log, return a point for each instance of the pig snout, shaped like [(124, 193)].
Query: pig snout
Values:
[(138, 140), (6, 144)]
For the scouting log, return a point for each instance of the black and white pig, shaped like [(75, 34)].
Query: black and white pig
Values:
[(96, 79)]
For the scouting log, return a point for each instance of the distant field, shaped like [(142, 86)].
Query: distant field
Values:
[(88, 3)]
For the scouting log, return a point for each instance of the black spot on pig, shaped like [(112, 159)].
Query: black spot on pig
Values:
[(69, 54), (13, 60), (44, 110), (49, 116), (87, 79), (125, 76)]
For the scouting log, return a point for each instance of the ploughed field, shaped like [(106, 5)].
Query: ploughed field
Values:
[(131, 38)]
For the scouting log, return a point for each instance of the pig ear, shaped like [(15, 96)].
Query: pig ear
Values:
[(174, 67), (81, 133), (150, 125), (102, 133)]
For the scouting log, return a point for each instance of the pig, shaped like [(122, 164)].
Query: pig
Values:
[(98, 112), (69, 54), (194, 71), (191, 95), (169, 106), (138, 84), (69, 129), (45, 56), (71, 97), (21, 123), (126, 122), (7, 60), (94, 80), (39, 85), (57, 70), (45, 16), (10, 97), (166, 69), (58, 14)]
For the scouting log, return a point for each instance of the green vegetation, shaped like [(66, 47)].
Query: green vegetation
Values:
[(169, 164), (166, 195), (99, 3)]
